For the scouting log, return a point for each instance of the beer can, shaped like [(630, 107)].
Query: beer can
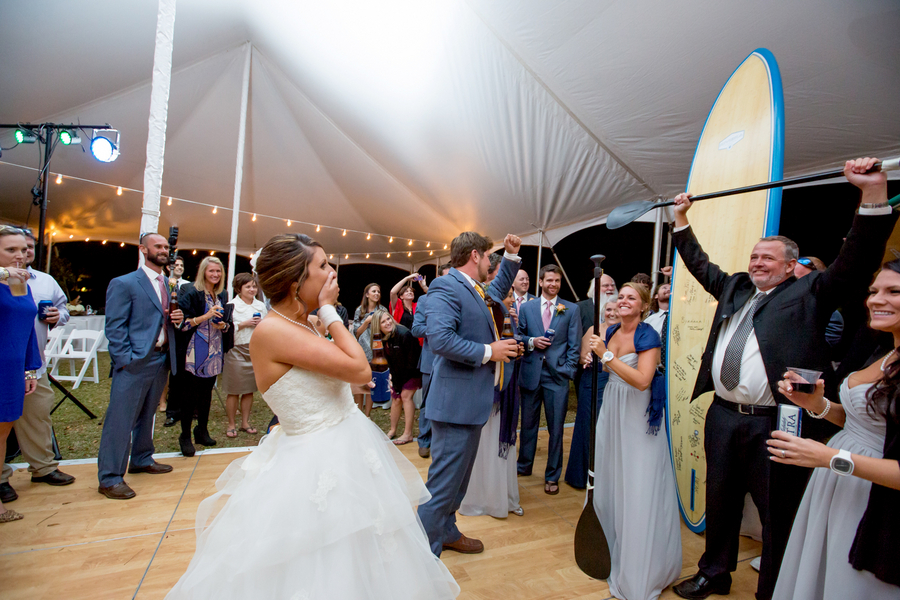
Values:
[(549, 334), (789, 417), (43, 307), (257, 315)]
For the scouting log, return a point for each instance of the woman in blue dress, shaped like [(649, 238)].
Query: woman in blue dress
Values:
[(20, 357)]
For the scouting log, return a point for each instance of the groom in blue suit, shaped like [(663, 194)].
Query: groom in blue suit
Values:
[(462, 335), (545, 372), (140, 328)]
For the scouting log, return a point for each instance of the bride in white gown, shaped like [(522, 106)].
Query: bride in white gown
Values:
[(323, 507)]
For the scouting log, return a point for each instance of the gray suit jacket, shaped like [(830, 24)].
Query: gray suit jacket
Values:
[(134, 317)]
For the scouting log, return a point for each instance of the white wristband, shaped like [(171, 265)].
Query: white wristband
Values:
[(328, 315)]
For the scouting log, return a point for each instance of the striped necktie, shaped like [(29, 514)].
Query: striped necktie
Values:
[(731, 363)]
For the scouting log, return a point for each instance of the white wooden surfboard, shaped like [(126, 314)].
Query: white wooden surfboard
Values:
[(742, 143)]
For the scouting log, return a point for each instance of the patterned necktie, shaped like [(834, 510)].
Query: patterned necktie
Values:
[(480, 289), (164, 299), (547, 316), (731, 364)]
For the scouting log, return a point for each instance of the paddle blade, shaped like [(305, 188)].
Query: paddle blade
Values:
[(591, 547), (625, 214)]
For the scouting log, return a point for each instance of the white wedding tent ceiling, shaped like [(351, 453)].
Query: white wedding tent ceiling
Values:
[(421, 119)]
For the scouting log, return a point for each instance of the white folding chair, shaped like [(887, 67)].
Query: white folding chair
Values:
[(53, 347), (82, 344)]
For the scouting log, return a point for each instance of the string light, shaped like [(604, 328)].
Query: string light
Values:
[(103, 242), (254, 217), (391, 241), (331, 256), (345, 233), (428, 245), (369, 236), (431, 253), (409, 253), (409, 243), (346, 256), (169, 203), (288, 222), (367, 256), (445, 246), (54, 233), (119, 191), (87, 239), (71, 236), (194, 252), (59, 178), (122, 245), (318, 228), (388, 255), (215, 209), (212, 252)]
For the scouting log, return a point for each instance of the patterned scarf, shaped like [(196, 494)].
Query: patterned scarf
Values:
[(204, 354)]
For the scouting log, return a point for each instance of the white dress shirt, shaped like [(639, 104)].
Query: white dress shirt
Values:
[(753, 386), (154, 283), (243, 312), (44, 287), (544, 302), (656, 320)]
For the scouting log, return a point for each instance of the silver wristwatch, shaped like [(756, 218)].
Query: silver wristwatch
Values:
[(842, 463)]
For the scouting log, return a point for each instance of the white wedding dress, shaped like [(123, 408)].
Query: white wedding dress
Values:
[(321, 509)]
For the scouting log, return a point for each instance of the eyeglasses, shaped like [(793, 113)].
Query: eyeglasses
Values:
[(805, 262)]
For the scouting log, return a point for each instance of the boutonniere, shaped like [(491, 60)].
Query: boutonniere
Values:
[(560, 309)]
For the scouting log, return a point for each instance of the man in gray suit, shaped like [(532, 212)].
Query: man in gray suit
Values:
[(545, 372), (465, 341), (139, 327), (426, 358)]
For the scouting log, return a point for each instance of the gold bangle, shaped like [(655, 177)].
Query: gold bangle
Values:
[(30, 375), (4, 273)]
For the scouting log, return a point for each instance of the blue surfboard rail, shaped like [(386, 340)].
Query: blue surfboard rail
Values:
[(772, 219)]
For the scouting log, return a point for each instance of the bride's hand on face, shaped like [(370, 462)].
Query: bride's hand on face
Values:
[(328, 295)]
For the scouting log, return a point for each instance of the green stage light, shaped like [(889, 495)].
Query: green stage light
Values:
[(67, 137), (25, 137)]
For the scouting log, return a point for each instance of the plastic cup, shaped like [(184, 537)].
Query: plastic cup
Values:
[(803, 380)]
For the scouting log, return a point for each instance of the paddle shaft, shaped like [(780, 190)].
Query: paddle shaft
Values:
[(784, 182), (595, 373)]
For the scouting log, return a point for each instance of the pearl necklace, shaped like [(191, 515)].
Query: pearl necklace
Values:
[(316, 333), (884, 362)]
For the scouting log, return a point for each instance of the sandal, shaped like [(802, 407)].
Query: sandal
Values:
[(231, 433), (251, 430), (551, 488), (401, 441), (10, 515)]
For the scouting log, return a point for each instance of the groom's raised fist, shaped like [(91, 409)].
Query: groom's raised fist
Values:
[(512, 243)]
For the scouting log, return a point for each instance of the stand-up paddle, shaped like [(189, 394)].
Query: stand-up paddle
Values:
[(591, 547), (627, 213)]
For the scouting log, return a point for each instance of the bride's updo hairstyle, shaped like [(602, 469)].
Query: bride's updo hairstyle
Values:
[(283, 261)]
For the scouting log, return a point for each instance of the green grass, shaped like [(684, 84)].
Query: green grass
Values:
[(79, 436)]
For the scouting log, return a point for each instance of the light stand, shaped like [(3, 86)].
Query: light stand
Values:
[(40, 194)]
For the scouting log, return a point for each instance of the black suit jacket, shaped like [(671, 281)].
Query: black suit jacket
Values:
[(790, 322), (192, 303)]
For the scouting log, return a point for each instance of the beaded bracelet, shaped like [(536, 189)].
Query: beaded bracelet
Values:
[(29, 375), (823, 413)]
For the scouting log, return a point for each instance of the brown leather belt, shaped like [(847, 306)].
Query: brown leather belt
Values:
[(747, 409)]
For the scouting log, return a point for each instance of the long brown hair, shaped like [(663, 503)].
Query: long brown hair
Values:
[(283, 261), (364, 305), (883, 398)]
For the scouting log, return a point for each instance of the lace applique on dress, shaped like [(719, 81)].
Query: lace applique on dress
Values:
[(379, 520), (371, 458), (306, 401), (327, 482)]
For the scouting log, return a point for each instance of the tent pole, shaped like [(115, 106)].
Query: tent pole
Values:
[(49, 250), (559, 264), (239, 170), (159, 111), (537, 283)]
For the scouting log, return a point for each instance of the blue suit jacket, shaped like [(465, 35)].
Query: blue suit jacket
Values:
[(419, 329), (561, 358), (458, 325), (134, 317)]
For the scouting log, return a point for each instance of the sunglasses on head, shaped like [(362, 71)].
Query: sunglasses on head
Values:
[(11, 228), (805, 262)]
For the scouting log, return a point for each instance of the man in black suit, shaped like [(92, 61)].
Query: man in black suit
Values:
[(766, 321)]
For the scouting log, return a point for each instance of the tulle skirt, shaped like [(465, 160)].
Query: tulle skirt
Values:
[(327, 514)]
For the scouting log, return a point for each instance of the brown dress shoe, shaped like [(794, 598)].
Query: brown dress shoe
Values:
[(424, 451), (120, 491), (154, 468), (56, 477), (465, 545)]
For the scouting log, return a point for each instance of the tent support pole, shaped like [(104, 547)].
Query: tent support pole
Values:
[(657, 248), (537, 277), (239, 171), (559, 264)]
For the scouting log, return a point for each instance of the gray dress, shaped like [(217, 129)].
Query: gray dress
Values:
[(816, 564), (634, 494)]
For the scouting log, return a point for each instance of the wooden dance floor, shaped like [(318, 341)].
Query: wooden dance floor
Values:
[(73, 543)]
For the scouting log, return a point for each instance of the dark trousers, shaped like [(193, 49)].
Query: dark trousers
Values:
[(194, 393), (128, 424), (737, 462), (554, 397), (424, 438), (453, 450), (579, 451)]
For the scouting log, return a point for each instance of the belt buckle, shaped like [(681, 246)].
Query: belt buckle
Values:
[(744, 409)]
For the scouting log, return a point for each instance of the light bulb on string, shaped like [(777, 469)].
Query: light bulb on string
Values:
[(388, 255), (391, 241), (331, 256), (254, 218), (212, 252), (122, 245), (445, 246), (87, 239), (346, 256), (59, 178), (215, 209), (369, 236), (409, 243), (409, 254), (428, 245), (345, 232), (119, 191), (367, 256), (71, 236), (103, 242), (169, 203), (318, 228), (431, 253), (288, 222)]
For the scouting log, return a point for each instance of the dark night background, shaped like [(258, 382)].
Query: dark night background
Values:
[(816, 217)]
